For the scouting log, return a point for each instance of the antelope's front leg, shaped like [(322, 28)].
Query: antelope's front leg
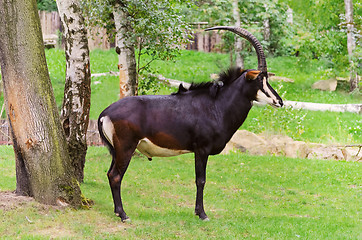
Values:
[(200, 170)]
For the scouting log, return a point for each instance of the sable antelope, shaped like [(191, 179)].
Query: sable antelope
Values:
[(201, 119)]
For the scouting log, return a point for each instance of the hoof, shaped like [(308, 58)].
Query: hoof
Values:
[(127, 220), (203, 217), (124, 217)]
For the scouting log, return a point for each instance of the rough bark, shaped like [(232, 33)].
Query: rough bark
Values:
[(350, 42), (239, 59), (43, 168), (77, 91), (126, 60)]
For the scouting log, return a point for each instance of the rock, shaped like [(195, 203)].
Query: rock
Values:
[(247, 139), (297, 149), (326, 85), (278, 145), (352, 154), (326, 152), (243, 140)]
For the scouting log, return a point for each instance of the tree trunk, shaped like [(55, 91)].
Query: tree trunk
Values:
[(43, 166), (266, 32), (239, 59), (126, 60), (350, 43), (77, 91), (266, 27), (1, 91)]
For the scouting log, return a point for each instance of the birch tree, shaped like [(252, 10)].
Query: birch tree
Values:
[(126, 52), (77, 90), (351, 44), (239, 59), (43, 164), (154, 28)]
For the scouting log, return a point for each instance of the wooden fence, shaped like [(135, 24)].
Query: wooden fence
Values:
[(4, 133), (205, 42), (51, 26), (93, 138)]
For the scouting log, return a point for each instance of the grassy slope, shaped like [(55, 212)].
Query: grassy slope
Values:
[(248, 197)]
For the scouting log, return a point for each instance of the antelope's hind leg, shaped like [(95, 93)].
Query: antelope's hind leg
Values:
[(119, 165)]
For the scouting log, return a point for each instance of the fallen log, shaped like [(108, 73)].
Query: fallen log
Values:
[(171, 82), (354, 108), (110, 73)]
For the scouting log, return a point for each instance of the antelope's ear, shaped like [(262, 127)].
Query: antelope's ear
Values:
[(252, 75)]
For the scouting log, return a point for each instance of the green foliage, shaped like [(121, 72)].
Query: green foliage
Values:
[(248, 197), (252, 15), (148, 85), (320, 32), (47, 5), (157, 29)]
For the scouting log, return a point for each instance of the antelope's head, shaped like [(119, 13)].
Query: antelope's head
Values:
[(264, 92)]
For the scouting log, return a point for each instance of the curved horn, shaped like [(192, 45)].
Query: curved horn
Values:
[(248, 36)]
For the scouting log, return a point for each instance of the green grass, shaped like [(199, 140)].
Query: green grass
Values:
[(245, 197)]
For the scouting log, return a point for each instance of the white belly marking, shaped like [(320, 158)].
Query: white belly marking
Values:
[(149, 149)]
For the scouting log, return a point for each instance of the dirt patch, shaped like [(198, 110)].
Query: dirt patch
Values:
[(10, 200)]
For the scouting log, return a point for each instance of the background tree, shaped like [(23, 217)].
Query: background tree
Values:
[(348, 4), (43, 166), (320, 33), (239, 58), (254, 14), (77, 90), (153, 28), (128, 78)]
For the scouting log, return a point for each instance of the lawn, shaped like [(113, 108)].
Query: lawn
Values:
[(259, 197), (245, 197)]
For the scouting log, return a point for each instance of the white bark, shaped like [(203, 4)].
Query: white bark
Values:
[(125, 49), (266, 25), (348, 4), (266, 33), (350, 42), (239, 60), (76, 103)]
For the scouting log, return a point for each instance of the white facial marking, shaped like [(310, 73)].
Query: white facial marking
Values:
[(261, 97), (108, 128), (149, 149), (264, 98)]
